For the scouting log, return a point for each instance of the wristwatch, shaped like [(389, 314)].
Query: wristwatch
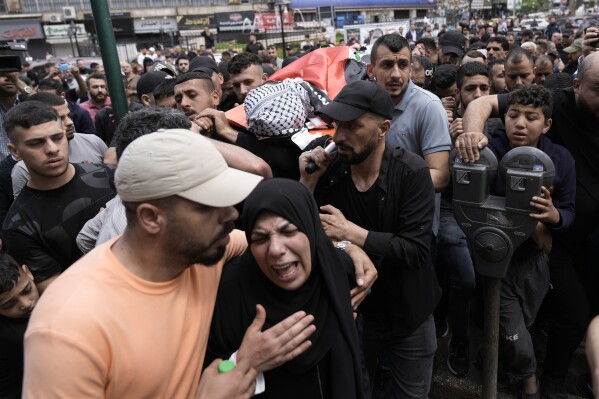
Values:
[(342, 244), (28, 89)]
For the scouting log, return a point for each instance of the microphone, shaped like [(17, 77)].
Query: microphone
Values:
[(311, 166)]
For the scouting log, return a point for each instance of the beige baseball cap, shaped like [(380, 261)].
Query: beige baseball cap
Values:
[(180, 162)]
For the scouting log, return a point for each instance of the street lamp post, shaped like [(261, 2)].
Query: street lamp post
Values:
[(281, 4), (70, 35), (73, 30)]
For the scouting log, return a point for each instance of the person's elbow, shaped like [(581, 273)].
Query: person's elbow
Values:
[(261, 168), (440, 179)]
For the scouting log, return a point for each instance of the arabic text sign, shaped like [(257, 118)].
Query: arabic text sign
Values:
[(21, 29), (63, 30), (271, 20), (190, 22), (154, 25)]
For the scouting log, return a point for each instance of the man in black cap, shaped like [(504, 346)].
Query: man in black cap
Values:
[(381, 199), (208, 66), (452, 47), (147, 83)]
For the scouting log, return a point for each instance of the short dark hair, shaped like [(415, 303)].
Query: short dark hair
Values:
[(470, 69), (492, 63), (393, 42), (419, 62), (428, 43), (518, 55), (474, 54), (535, 95), (95, 75), (444, 76), (243, 61), (181, 57), (145, 121), (584, 67), (51, 84), (544, 60), (207, 79), (10, 271), (559, 80), (505, 45), (26, 115), (164, 90), (47, 98)]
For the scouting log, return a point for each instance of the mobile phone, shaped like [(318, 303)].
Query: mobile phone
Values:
[(65, 67)]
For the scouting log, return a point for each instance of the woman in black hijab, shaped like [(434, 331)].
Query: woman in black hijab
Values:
[(291, 265)]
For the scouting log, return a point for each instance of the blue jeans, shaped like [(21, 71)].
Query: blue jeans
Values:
[(399, 366), (455, 272)]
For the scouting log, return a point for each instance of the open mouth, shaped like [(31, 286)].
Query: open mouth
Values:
[(286, 271)]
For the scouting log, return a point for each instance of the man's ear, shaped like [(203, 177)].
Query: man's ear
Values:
[(548, 123), (146, 100), (14, 151), (576, 86), (150, 218), (264, 77), (221, 78), (215, 98), (370, 71), (384, 128)]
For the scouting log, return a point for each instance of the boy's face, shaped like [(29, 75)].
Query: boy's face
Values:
[(524, 124), (20, 301)]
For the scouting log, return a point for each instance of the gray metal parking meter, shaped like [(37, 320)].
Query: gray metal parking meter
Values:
[(496, 226)]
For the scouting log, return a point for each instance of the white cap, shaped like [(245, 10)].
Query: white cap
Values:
[(180, 162)]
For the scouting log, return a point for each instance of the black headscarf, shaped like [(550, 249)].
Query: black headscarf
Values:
[(325, 294)]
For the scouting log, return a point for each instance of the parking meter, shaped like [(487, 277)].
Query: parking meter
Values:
[(495, 225)]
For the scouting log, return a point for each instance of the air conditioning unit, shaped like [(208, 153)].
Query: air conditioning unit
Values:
[(55, 17), (69, 13)]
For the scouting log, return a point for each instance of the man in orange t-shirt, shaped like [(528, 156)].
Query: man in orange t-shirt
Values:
[(131, 318)]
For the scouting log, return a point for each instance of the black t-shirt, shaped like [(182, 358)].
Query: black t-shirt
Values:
[(360, 204), (280, 153), (12, 332), (41, 226)]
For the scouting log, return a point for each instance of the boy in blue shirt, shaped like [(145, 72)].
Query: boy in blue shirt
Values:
[(527, 119)]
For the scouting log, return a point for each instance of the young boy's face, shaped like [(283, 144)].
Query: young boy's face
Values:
[(524, 124), (20, 301)]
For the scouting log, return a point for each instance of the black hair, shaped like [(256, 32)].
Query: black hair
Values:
[(470, 69), (535, 95), (207, 79), (428, 43), (444, 76), (10, 271), (492, 63), (181, 57), (164, 89), (26, 115), (51, 84), (48, 98), (289, 60), (93, 65), (419, 61), (95, 75), (559, 80), (145, 121), (393, 41), (242, 61), (544, 60), (474, 54), (517, 56), (505, 45), (225, 54)]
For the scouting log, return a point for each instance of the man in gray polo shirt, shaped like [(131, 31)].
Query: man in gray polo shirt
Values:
[(419, 121)]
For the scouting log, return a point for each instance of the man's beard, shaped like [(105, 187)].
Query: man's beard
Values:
[(191, 252), (358, 158), (8, 93), (96, 99)]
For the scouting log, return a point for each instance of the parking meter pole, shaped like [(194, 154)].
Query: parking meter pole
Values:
[(492, 287), (110, 57), (496, 226)]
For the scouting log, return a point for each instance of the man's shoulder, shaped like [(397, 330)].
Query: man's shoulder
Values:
[(421, 95), (405, 159)]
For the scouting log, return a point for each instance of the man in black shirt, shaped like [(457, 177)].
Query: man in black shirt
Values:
[(381, 199), (41, 226)]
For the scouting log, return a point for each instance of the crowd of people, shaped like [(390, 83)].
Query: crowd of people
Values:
[(138, 254)]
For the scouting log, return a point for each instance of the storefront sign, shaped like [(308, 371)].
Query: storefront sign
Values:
[(63, 30), (235, 21), (19, 29), (193, 22), (122, 24), (268, 21), (155, 25)]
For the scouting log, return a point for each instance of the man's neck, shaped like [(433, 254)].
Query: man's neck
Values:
[(97, 104), (8, 101), (142, 257), (365, 174), (38, 182)]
